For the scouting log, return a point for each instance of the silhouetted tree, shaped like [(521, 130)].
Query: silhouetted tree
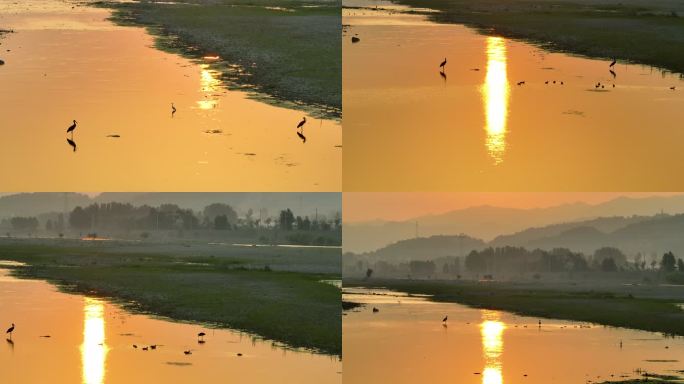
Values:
[(24, 223), (668, 262), (601, 254), (79, 219), (212, 210), (608, 265), (680, 265), (287, 219), (221, 222)]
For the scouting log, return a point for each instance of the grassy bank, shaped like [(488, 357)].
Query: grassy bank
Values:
[(289, 50), (293, 308), (602, 307), (640, 31)]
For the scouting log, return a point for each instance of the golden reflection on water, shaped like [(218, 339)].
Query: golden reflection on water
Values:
[(209, 85), (94, 349), (491, 330), (495, 93)]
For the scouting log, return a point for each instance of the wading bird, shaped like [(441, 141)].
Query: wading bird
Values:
[(173, 109), (200, 337), (10, 330), (444, 320), (71, 129), (301, 135), (188, 352), (301, 123), (443, 64), (375, 310), (72, 143), (441, 73), (612, 64)]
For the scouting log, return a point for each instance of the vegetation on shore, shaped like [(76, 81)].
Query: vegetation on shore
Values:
[(602, 307), (639, 31), (293, 308), (286, 50)]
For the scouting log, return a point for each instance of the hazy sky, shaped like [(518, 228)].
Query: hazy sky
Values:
[(362, 206)]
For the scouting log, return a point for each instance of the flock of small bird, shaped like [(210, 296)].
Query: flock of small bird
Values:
[(200, 340), (598, 85), (72, 128)]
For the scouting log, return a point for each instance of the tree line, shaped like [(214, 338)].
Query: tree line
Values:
[(217, 216)]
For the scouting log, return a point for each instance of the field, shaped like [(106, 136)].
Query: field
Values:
[(288, 50), (639, 31), (649, 308), (273, 292)]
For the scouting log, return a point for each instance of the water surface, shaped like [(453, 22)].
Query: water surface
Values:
[(67, 62), (406, 342), (91, 342), (472, 127)]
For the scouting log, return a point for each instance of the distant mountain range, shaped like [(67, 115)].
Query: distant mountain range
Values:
[(33, 204), (494, 223), (648, 235)]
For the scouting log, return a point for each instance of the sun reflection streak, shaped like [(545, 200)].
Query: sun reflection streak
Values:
[(94, 349), (492, 330), (495, 93), (209, 85)]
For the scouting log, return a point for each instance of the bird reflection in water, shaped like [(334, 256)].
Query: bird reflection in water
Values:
[(72, 144)]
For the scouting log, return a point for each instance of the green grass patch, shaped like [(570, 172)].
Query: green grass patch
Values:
[(607, 308), (288, 50), (293, 308), (640, 31)]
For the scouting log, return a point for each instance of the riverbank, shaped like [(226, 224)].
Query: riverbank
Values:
[(288, 50), (292, 308), (637, 31), (607, 307)]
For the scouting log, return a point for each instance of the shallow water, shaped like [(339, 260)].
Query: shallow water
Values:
[(405, 342), (91, 342), (407, 127), (69, 63)]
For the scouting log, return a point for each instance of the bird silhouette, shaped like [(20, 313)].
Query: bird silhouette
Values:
[(612, 64), (200, 337), (444, 320), (355, 39), (612, 73), (375, 310), (443, 75), (301, 123), (443, 64), (301, 135), (72, 143), (173, 109), (10, 330), (188, 352), (71, 129)]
